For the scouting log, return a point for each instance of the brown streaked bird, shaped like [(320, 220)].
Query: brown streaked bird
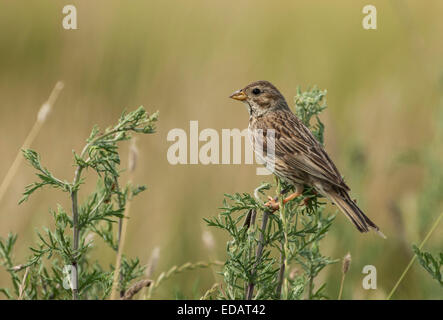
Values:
[(299, 159)]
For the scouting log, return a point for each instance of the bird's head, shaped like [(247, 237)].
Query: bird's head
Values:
[(260, 98)]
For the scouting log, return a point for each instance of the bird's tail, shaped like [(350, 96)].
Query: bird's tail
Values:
[(352, 211)]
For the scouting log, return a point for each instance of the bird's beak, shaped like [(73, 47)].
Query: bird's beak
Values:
[(239, 95)]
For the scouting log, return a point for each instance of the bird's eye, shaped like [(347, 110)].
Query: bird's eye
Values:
[(256, 91)]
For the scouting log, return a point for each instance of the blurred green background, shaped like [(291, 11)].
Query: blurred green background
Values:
[(384, 123)]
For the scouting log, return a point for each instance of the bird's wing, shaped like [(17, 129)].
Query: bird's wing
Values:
[(296, 146)]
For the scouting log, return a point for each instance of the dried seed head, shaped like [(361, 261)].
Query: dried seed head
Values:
[(135, 288), (47, 106), (346, 263), (58, 86), (208, 240), (43, 112), (133, 156), (152, 263)]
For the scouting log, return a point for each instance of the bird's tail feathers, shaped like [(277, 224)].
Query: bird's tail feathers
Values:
[(352, 211)]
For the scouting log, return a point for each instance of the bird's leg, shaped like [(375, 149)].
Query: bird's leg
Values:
[(298, 192), (285, 191), (274, 205)]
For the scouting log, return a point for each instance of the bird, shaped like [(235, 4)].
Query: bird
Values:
[(296, 156)]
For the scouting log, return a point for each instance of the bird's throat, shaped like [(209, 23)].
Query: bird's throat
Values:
[(249, 108)]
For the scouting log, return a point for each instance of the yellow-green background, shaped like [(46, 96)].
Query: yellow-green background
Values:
[(184, 58)]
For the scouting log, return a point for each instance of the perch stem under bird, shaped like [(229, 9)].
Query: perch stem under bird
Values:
[(294, 154)]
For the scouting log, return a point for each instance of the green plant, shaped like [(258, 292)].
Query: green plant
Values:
[(60, 265), (429, 198), (280, 258), (421, 256), (430, 263)]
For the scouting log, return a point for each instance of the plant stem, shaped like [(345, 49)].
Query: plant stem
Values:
[(117, 273), (74, 200), (23, 285), (285, 252), (434, 226), (310, 285), (120, 206), (281, 273), (120, 226), (250, 289), (341, 286), (74, 272)]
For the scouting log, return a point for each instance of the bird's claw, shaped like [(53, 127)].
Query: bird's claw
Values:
[(272, 203)]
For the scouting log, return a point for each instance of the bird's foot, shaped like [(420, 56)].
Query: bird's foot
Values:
[(274, 205)]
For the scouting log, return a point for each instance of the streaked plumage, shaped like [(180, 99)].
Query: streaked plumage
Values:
[(299, 158)]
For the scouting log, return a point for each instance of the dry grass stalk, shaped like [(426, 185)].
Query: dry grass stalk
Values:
[(208, 240), (135, 288), (23, 285), (45, 109), (178, 269), (346, 263), (345, 268), (153, 261), (211, 291), (133, 155), (114, 291)]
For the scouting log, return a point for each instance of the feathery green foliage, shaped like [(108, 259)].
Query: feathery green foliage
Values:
[(58, 255), (310, 104), (430, 263)]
